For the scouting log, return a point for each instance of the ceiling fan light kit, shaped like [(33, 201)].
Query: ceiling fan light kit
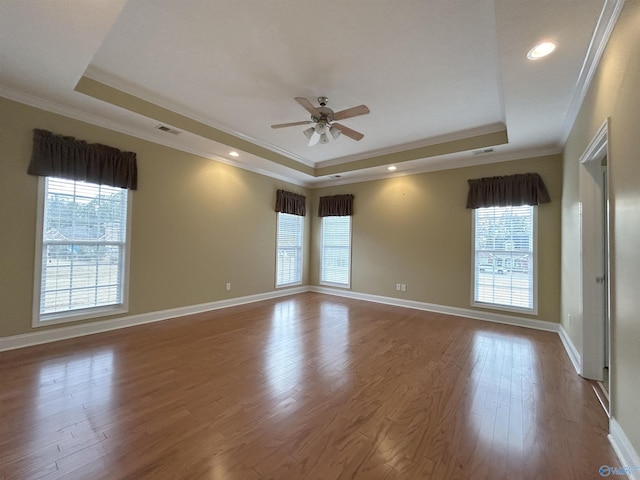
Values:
[(324, 119), (321, 127)]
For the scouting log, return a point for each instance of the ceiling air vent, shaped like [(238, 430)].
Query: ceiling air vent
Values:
[(164, 128), (483, 151)]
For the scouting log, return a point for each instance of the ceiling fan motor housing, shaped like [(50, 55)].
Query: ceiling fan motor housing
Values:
[(324, 113)]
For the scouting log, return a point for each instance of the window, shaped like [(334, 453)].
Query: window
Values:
[(504, 258), (81, 264), (336, 251), (289, 249)]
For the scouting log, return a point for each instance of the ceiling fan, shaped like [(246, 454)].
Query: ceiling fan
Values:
[(324, 119)]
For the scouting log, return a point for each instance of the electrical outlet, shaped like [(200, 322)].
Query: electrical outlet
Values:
[(403, 287), (228, 286), (398, 286)]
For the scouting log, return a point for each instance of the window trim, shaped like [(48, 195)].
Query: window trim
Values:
[(84, 313), (346, 286), (299, 282), (534, 252)]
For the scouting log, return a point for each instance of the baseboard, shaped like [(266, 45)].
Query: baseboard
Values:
[(625, 452), (72, 331), (571, 349), (455, 311)]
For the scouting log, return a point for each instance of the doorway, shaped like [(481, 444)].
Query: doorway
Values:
[(604, 232), (594, 243)]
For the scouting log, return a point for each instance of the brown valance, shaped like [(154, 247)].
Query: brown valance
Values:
[(66, 157), (512, 190), (336, 206), (289, 202)]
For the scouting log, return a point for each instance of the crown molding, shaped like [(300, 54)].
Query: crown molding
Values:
[(112, 81), (74, 113), (445, 162), (606, 22), (449, 137), (460, 160)]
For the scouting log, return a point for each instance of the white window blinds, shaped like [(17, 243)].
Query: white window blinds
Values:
[(336, 251), (84, 234), (289, 249), (504, 263)]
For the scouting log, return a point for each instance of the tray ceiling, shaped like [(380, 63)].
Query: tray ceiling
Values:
[(442, 79)]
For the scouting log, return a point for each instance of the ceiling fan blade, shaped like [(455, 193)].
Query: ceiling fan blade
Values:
[(307, 106), (351, 112), (348, 132), (293, 124)]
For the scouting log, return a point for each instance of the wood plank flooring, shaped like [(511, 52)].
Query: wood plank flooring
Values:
[(304, 387)]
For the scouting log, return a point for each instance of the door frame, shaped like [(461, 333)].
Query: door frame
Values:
[(593, 255)]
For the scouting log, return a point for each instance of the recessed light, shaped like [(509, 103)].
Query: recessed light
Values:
[(391, 168), (233, 153), (541, 50)]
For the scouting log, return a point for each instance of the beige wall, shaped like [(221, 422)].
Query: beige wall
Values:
[(416, 230), (187, 242), (613, 93), (197, 223)]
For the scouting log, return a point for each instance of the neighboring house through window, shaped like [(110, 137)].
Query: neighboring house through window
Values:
[(81, 264), (504, 259)]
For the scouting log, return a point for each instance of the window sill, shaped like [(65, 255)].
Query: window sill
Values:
[(506, 308), (287, 285), (336, 285), (77, 315)]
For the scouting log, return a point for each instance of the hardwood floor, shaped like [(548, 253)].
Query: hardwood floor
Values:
[(305, 387)]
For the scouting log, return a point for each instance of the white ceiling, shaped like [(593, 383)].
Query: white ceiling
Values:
[(428, 71)]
